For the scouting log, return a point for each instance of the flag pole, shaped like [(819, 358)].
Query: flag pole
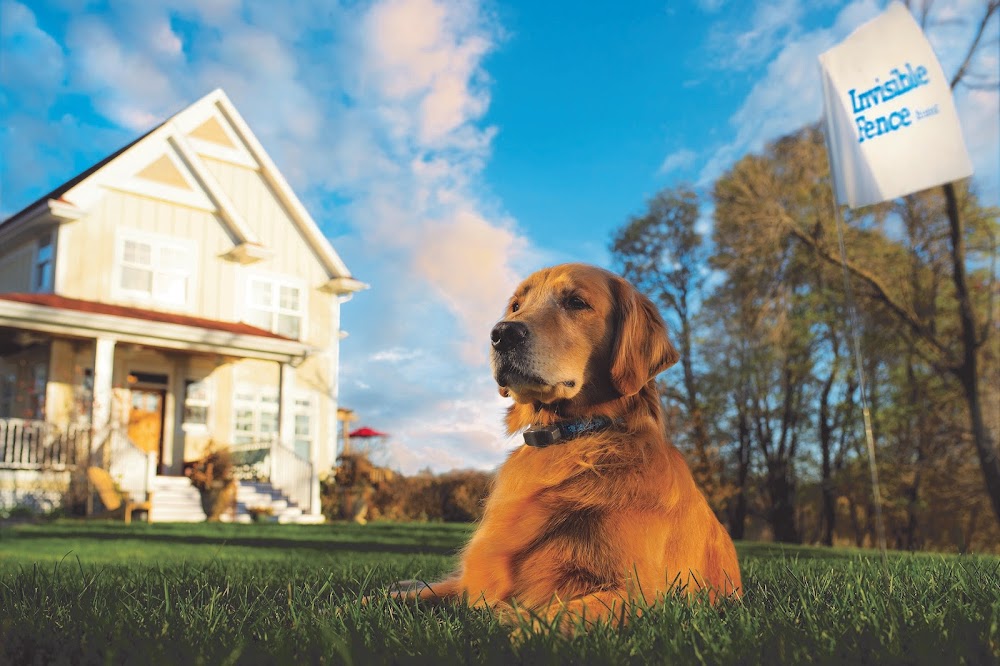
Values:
[(887, 106), (862, 387), (852, 326)]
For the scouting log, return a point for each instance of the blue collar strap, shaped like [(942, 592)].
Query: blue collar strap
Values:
[(540, 436)]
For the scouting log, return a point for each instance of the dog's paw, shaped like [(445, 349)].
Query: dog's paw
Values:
[(408, 589)]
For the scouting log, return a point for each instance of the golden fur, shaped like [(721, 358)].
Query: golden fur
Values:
[(584, 528)]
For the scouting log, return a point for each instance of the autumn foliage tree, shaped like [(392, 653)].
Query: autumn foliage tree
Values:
[(776, 383)]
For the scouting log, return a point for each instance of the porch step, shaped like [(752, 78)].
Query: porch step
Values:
[(254, 494), (175, 500)]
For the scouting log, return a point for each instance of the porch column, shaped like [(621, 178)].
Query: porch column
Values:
[(286, 406), (100, 415), (286, 431), (333, 392)]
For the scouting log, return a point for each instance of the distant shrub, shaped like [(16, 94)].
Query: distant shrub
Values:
[(456, 496)]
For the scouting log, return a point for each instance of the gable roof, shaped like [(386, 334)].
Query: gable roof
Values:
[(213, 126), (57, 193)]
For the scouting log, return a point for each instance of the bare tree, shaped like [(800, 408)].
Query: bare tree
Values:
[(662, 253)]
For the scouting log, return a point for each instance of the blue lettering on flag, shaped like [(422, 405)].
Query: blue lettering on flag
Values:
[(901, 81)]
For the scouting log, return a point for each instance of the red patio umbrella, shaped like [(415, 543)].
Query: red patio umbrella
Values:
[(365, 431)]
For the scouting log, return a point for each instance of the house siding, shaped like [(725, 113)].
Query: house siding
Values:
[(96, 237), (59, 395), (259, 206), (16, 266)]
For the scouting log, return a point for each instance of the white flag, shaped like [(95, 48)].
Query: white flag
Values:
[(891, 124)]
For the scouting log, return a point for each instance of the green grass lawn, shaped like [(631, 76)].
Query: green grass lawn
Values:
[(100, 592)]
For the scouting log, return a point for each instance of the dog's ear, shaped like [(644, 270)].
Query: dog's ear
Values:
[(641, 349)]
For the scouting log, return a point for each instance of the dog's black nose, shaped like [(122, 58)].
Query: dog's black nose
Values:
[(508, 335)]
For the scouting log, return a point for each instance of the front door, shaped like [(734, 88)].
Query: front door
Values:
[(145, 420)]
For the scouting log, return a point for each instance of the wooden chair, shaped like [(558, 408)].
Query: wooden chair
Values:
[(112, 497)]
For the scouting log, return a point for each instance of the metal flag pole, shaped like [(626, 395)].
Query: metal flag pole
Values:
[(862, 386)]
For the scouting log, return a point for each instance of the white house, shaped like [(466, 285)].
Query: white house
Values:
[(175, 294)]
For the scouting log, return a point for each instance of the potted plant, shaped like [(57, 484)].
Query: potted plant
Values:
[(260, 514), (212, 475)]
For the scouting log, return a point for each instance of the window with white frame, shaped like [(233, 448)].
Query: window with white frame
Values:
[(41, 275), (196, 404), (255, 414), (275, 305), (155, 268), (305, 424)]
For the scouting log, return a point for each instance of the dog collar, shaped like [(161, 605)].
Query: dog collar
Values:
[(540, 436)]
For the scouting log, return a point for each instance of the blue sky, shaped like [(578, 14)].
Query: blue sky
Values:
[(447, 149)]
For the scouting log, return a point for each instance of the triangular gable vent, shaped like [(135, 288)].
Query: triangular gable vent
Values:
[(212, 131), (163, 171)]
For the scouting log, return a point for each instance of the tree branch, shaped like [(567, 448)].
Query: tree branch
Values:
[(905, 314), (991, 7)]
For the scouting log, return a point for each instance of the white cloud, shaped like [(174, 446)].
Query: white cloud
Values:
[(427, 52), (710, 6), (738, 42), (980, 111), (165, 41), (34, 71), (37, 66), (448, 256), (468, 261), (678, 160), (124, 81), (423, 61), (787, 96), (469, 440), (395, 355)]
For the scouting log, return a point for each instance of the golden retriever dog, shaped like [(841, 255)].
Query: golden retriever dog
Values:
[(597, 514)]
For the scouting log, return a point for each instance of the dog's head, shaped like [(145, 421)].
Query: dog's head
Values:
[(576, 336)]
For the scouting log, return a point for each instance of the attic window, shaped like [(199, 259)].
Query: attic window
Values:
[(155, 268)]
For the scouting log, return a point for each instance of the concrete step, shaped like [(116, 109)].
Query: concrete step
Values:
[(175, 499), (253, 494)]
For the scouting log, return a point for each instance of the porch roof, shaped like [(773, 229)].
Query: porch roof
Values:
[(74, 317)]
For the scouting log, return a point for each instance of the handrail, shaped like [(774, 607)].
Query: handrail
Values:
[(278, 465), (292, 474), (34, 444)]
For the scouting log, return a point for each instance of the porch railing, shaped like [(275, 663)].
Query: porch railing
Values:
[(29, 444), (278, 465)]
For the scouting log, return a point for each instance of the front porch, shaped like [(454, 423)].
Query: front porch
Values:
[(89, 391), (43, 465)]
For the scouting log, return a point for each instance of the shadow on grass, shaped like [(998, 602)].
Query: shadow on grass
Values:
[(763, 549), (232, 539)]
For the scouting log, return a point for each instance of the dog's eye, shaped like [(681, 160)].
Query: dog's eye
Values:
[(515, 306), (576, 303)]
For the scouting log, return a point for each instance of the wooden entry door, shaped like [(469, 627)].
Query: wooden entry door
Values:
[(145, 420)]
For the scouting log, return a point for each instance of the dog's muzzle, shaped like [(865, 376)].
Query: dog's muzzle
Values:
[(508, 336), (510, 346)]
